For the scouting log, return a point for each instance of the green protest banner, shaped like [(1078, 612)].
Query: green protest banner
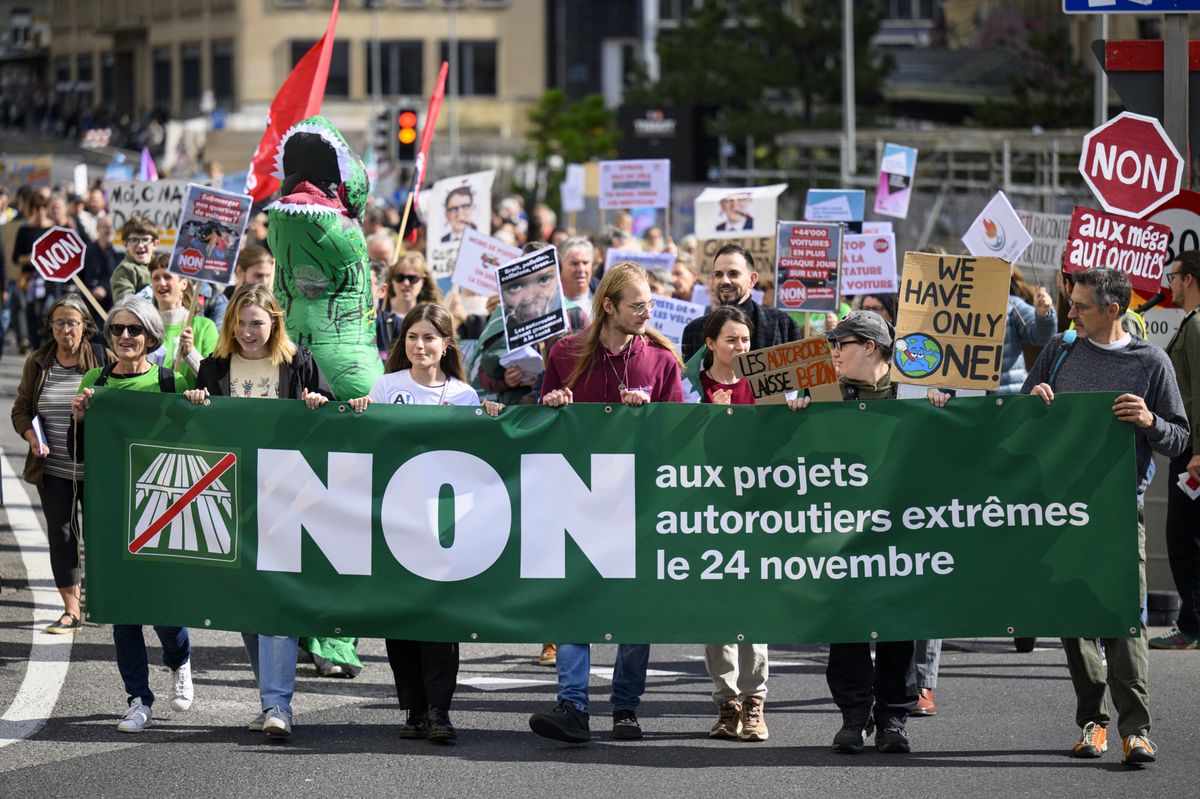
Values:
[(849, 521)]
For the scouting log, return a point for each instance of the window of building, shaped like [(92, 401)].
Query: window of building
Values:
[(106, 77), (476, 67), (83, 70), (190, 54), (62, 70), (908, 9), (400, 68), (338, 84), (161, 58), (222, 71)]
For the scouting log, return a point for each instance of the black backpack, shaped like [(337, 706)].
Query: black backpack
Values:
[(166, 385)]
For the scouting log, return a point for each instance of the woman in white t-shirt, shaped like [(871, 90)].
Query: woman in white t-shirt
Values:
[(424, 367), (254, 357)]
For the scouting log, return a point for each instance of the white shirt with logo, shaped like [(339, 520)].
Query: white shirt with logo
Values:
[(399, 388)]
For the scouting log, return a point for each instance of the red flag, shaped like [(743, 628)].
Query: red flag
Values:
[(299, 97), (435, 105)]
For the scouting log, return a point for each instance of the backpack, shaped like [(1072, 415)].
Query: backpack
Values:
[(166, 385)]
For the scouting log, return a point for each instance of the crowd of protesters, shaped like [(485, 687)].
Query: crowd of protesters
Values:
[(446, 350)]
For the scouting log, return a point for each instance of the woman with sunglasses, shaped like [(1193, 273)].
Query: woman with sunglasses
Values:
[(49, 383), (409, 283), (134, 329)]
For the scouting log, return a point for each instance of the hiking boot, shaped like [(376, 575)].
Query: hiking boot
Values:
[(729, 721), (891, 740), (754, 720), (565, 723), (849, 739), (926, 706), (1171, 639), (1137, 750), (182, 692), (625, 726), (278, 723), (549, 656), (440, 729), (415, 726), (1093, 742), (137, 717)]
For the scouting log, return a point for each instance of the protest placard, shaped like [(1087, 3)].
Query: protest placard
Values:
[(835, 205), (761, 249), (455, 205), (896, 171), (876, 227), (869, 265), (670, 316), (1043, 258), (1137, 248), (478, 258), (646, 260), (635, 183), (793, 366), (950, 326), (211, 225), (570, 191), (997, 231), (158, 200), (531, 295), (737, 212), (808, 256), (32, 169)]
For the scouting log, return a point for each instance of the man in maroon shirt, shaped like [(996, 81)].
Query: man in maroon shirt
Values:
[(618, 359)]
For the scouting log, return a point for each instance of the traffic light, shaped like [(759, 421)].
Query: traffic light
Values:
[(378, 131), (404, 141)]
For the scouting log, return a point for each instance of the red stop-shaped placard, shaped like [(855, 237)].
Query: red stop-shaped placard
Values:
[(1131, 165), (58, 254)]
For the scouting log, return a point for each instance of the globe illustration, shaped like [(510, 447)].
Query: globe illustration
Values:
[(917, 355)]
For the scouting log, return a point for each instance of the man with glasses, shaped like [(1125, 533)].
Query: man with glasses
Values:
[(133, 273), (733, 277), (1107, 358), (617, 359), (460, 208)]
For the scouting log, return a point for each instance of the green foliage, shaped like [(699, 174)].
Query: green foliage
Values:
[(578, 132), (1052, 89)]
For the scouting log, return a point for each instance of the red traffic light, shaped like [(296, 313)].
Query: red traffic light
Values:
[(408, 119)]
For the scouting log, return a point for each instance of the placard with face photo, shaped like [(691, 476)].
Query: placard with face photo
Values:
[(532, 298), (737, 211), (456, 204)]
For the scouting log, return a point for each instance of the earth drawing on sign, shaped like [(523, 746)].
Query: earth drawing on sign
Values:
[(917, 355)]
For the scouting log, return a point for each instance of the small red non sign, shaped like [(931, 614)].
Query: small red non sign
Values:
[(1131, 165), (58, 254)]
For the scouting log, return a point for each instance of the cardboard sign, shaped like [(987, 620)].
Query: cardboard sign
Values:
[(456, 204), (158, 200), (1044, 257), (532, 298), (835, 205), (997, 231), (869, 265), (670, 316), (1132, 246), (478, 258), (808, 257), (950, 324), (646, 260), (640, 183), (896, 172), (211, 225), (570, 191), (793, 366), (737, 212)]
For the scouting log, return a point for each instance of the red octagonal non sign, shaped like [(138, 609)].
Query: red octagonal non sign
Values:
[(58, 254), (1131, 165)]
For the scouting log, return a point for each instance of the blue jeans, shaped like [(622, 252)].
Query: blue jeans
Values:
[(273, 661), (134, 664), (629, 675)]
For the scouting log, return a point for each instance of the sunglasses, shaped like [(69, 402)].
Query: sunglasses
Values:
[(412, 280), (133, 330)]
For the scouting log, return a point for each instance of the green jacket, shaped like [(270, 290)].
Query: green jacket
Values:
[(129, 278), (1184, 351)]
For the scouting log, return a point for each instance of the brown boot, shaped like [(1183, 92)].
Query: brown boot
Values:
[(729, 721), (926, 706), (754, 720)]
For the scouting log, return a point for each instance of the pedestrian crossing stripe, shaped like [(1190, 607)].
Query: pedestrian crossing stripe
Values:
[(206, 528)]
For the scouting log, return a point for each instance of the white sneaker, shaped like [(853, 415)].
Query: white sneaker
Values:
[(137, 717), (182, 700), (257, 724), (278, 723)]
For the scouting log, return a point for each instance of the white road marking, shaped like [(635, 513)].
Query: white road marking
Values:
[(501, 683), (50, 655)]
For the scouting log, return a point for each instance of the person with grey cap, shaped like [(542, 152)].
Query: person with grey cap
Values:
[(878, 694)]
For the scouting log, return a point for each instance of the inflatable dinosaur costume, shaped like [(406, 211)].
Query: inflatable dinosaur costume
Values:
[(322, 279)]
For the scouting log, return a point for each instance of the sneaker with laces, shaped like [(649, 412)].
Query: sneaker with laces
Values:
[(626, 726), (440, 729), (1136, 750), (1093, 742), (256, 724), (137, 717), (891, 739), (415, 726), (565, 723), (549, 656), (278, 723), (729, 721), (1175, 639), (849, 739), (754, 720), (181, 698)]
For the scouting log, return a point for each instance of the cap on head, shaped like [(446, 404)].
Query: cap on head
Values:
[(866, 325)]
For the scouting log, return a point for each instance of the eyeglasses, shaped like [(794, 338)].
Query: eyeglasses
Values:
[(1172, 275), (873, 308), (640, 308), (139, 240), (133, 330), (411, 280), (458, 209), (837, 344), (66, 324)]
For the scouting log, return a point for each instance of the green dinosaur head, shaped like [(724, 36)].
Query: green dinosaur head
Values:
[(313, 150)]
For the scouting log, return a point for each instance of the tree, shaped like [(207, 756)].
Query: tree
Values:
[(572, 132)]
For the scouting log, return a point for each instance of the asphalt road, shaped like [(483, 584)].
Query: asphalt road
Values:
[(1005, 727)]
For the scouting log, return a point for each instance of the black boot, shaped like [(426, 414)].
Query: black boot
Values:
[(440, 728)]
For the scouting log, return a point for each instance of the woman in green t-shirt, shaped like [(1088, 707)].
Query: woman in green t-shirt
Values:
[(134, 329), (185, 343)]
